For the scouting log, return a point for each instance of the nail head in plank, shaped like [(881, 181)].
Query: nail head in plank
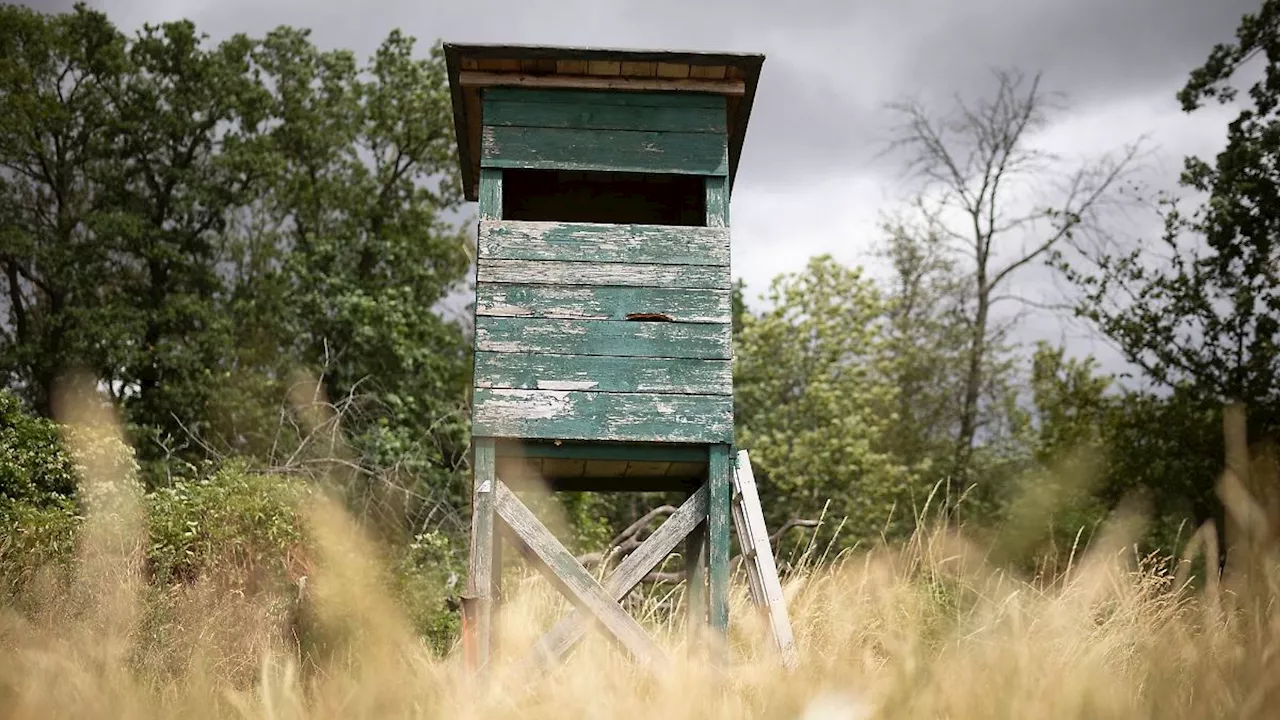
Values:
[(564, 570)]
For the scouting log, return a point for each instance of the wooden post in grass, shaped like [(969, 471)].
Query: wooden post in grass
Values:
[(603, 354)]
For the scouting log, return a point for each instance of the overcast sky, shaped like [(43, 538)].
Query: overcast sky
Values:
[(812, 176)]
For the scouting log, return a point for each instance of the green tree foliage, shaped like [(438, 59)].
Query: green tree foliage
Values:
[(811, 401), (1200, 309), (34, 468), (203, 225)]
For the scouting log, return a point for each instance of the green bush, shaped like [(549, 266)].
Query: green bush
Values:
[(34, 465), (232, 522)]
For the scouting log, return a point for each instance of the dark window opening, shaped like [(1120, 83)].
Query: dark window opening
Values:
[(602, 197)]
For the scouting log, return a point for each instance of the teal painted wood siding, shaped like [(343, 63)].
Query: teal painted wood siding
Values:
[(605, 131), (608, 302), (545, 371), (603, 337), (600, 242), (604, 150), (570, 415), (593, 331)]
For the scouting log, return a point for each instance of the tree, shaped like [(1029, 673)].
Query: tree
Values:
[(201, 224), (925, 343), (982, 177), (1203, 317), (1206, 314), (353, 220), (811, 398), (59, 77)]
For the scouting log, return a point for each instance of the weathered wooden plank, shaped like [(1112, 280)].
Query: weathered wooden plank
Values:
[(603, 484), (604, 67), (695, 563), (647, 468), (623, 417), (719, 511), (552, 272), (605, 116), (682, 376), (564, 570), (602, 337), (717, 202), (640, 69), (686, 470), (610, 150), (490, 194), (557, 467), (481, 570), (711, 72), (633, 568), (603, 451), (673, 70), (605, 468), (603, 242), (598, 97), (605, 302)]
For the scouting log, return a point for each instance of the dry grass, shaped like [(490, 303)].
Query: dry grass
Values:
[(930, 629)]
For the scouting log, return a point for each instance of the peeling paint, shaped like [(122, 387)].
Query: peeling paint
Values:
[(567, 384)]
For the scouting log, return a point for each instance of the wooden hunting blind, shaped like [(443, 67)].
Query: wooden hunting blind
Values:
[(602, 317)]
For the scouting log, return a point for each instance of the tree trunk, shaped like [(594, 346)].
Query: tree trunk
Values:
[(972, 385)]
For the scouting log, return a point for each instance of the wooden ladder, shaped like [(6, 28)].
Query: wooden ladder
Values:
[(757, 554)]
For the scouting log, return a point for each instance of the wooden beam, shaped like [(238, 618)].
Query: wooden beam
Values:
[(490, 194), (480, 574), (564, 570), (602, 451), (719, 506), (480, 78), (754, 538), (561, 638), (695, 558)]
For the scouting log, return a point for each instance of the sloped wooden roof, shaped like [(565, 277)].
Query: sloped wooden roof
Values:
[(472, 67)]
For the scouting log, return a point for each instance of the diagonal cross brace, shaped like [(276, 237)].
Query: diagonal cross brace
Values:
[(633, 568), (564, 570)]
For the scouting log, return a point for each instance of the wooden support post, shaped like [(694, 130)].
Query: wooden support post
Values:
[(480, 576), (719, 512), (490, 194), (695, 553), (564, 571)]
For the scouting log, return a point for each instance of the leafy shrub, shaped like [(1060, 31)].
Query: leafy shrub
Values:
[(34, 465)]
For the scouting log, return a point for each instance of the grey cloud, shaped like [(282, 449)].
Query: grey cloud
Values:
[(831, 67)]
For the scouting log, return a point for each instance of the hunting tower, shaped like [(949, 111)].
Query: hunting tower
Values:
[(602, 318)]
